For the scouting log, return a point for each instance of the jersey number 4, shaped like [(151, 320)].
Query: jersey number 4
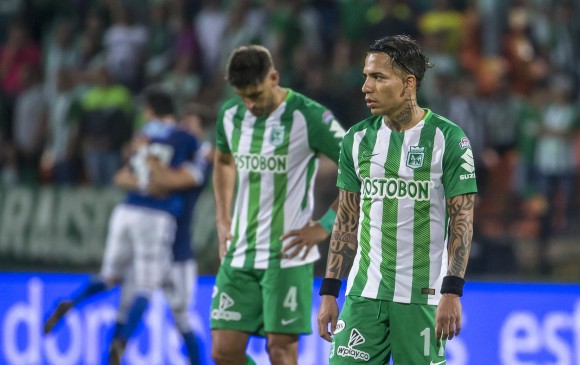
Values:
[(290, 300)]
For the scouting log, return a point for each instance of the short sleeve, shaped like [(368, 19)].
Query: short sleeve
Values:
[(221, 138), (325, 134), (458, 165), (347, 177)]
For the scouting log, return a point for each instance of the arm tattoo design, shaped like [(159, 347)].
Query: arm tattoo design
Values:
[(343, 241), (460, 210)]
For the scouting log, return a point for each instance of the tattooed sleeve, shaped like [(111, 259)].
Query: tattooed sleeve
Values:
[(460, 210), (343, 241)]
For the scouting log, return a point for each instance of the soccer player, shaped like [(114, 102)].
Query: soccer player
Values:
[(269, 137), (180, 281), (143, 228), (404, 222)]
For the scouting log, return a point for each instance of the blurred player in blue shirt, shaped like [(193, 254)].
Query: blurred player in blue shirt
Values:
[(180, 281), (148, 245)]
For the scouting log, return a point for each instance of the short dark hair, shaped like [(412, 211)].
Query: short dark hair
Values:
[(404, 52), (248, 66), (159, 100)]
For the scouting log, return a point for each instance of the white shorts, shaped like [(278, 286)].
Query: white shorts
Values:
[(179, 286), (139, 240)]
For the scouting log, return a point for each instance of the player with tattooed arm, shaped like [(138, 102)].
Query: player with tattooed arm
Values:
[(404, 221)]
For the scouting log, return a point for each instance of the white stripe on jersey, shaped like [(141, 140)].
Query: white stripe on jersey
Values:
[(358, 136), (264, 231), (228, 122), (405, 226), (436, 273), (299, 158), (242, 200), (378, 160)]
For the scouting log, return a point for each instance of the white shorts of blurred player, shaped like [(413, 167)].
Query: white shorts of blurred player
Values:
[(139, 241), (179, 287)]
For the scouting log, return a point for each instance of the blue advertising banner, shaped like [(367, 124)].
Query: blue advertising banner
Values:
[(504, 324)]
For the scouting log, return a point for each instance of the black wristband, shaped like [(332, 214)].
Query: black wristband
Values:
[(452, 285), (330, 286)]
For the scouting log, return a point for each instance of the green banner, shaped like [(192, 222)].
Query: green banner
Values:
[(55, 225)]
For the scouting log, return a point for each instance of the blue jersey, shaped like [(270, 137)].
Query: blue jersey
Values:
[(182, 247), (173, 147)]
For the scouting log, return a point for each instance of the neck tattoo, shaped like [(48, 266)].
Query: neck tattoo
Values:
[(402, 120)]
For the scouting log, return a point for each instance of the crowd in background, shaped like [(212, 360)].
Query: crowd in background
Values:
[(508, 72)]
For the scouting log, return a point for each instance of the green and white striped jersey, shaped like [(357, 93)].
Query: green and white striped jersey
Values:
[(276, 160), (404, 179)]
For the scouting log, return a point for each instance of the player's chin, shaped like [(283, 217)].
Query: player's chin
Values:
[(258, 112)]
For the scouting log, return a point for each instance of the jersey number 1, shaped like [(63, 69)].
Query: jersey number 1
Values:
[(426, 333)]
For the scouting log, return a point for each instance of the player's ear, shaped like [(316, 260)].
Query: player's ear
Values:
[(410, 84), (274, 77)]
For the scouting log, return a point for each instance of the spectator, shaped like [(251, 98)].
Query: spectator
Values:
[(125, 43), (60, 155), (182, 83), (555, 161), (158, 51), (210, 25), (17, 54), (105, 127), (59, 53), (30, 118)]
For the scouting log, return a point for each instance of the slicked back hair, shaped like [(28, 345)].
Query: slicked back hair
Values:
[(248, 66), (405, 53)]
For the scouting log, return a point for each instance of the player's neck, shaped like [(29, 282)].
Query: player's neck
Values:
[(280, 94), (404, 119), (167, 119)]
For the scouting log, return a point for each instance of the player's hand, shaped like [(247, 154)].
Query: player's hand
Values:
[(157, 172), (304, 238), (224, 235), (448, 317), (327, 313)]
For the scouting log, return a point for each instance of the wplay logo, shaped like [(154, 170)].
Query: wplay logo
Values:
[(222, 313), (349, 351)]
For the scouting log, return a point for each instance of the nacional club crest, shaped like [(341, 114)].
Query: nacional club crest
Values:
[(277, 135), (415, 157)]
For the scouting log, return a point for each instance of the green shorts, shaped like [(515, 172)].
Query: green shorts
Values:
[(371, 331), (263, 301)]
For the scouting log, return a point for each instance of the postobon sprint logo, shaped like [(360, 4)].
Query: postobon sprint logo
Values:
[(396, 188), (259, 163), (349, 351), (222, 313)]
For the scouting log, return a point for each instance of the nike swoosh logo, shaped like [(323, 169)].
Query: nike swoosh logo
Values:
[(368, 154), (437, 363), (286, 322)]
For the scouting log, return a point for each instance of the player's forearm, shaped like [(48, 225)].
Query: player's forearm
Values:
[(126, 180), (460, 209), (224, 178), (173, 179), (343, 240)]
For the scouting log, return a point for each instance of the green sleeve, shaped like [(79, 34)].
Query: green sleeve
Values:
[(325, 134), (347, 177), (458, 165), (221, 139)]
